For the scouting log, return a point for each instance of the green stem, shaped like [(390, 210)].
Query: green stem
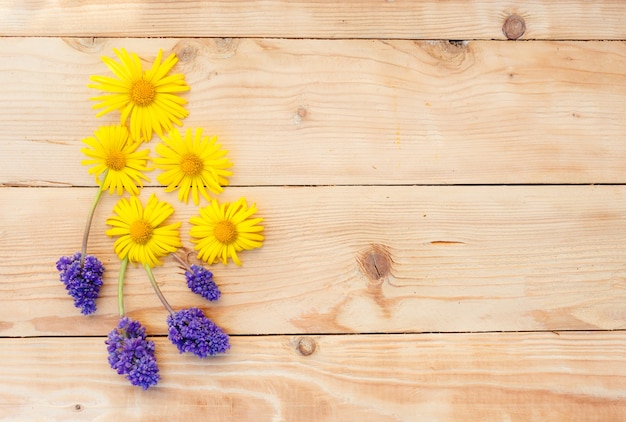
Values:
[(90, 218), (120, 286), (158, 292)]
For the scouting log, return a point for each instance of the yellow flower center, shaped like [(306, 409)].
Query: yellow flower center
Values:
[(191, 165), (140, 232), (225, 232), (142, 92), (115, 160)]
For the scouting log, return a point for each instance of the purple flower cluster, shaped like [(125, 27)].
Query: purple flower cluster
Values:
[(191, 331), (131, 354), (82, 283), (200, 281)]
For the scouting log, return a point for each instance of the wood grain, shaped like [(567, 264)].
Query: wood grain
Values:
[(430, 19), (436, 245), (556, 377), (323, 112), (348, 260)]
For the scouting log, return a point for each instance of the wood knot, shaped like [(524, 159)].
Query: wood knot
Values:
[(306, 346), (78, 407), (299, 115), (453, 54), (85, 45), (187, 53), (375, 262), (514, 27), (224, 48)]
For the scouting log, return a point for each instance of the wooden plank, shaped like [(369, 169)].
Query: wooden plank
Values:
[(458, 19), (342, 112), (506, 376), (347, 260)]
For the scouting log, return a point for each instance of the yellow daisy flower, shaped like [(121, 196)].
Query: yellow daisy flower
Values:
[(112, 149), (148, 98), (194, 164), (142, 237), (220, 231)]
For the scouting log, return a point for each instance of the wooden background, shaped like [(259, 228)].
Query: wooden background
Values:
[(445, 210)]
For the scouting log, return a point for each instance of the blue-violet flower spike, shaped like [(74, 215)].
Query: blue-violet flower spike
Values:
[(191, 331), (131, 354), (200, 281), (82, 283)]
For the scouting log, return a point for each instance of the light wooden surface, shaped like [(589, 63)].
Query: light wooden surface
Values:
[(481, 258), (360, 111), (444, 220), (424, 19), (556, 376)]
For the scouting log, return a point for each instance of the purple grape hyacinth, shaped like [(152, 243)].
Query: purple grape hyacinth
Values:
[(191, 331), (82, 283), (200, 281), (131, 354)]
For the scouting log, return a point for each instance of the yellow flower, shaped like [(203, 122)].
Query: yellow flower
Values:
[(148, 98), (142, 237), (111, 149), (222, 231), (193, 163)]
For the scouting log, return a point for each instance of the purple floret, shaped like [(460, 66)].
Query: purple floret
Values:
[(83, 284), (191, 331), (200, 281), (131, 354)]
